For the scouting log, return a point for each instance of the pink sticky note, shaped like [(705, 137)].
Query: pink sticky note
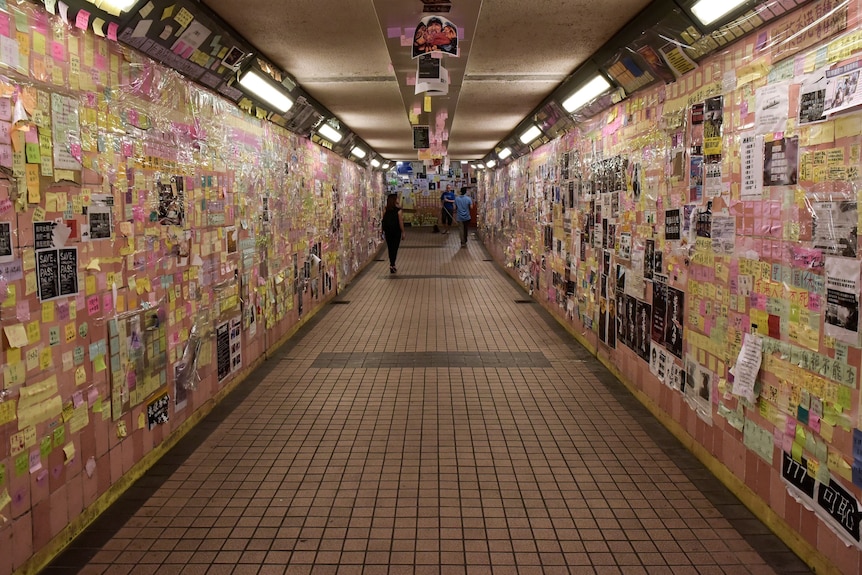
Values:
[(23, 311), (58, 51), (112, 31), (93, 305), (108, 302), (4, 24), (77, 399), (83, 20), (75, 150)]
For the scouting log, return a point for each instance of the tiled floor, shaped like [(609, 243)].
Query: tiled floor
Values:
[(430, 425)]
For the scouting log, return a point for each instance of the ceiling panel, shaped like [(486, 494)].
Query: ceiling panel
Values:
[(348, 55)]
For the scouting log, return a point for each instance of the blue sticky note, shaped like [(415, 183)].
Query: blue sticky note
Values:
[(857, 444)]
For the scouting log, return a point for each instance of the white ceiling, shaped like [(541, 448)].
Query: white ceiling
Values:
[(514, 53)]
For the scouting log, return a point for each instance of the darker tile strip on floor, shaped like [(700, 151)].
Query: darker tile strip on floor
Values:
[(430, 277), (431, 359)]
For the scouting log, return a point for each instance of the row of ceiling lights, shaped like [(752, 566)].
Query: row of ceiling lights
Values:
[(708, 12)]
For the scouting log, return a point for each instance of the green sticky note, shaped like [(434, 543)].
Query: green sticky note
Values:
[(796, 451), (844, 397), (99, 364), (21, 23), (45, 447), (60, 436), (2, 474), (32, 153), (22, 464)]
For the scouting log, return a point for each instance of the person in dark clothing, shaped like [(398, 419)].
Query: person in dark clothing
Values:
[(393, 229)]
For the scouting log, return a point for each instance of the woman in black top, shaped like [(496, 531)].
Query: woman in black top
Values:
[(393, 229)]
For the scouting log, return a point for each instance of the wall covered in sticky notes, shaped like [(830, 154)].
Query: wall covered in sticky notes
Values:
[(154, 240), (702, 236)]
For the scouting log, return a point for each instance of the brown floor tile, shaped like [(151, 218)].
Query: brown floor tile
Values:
[(431, 426)]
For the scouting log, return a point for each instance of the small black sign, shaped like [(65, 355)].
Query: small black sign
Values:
[(841, 506), (68, 271), (157, 411), (429, 68), (223, 350), (421, 137), (796, 474), (672, 224), (47, 272), (43, 234)]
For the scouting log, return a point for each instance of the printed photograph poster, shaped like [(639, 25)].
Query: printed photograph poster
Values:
[(780, 162), (659, 312), (435, 34), (712, 119), (695, 183), (172, 202), (771, 108), (673, 324), (842, 299), (843, 92), (99, 218), (834, 228), (751, 159), (6, 254), (812, 98), (672, 224)]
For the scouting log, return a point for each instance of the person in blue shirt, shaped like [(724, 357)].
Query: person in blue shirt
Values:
[(447, 198), (463, 203)]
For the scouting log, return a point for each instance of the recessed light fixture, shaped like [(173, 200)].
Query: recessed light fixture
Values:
[(491, 163), (257, 84), (708, 11), (586, 93), (505, 153), (358, 152), (530, 134), (329, 133), (375, 162)]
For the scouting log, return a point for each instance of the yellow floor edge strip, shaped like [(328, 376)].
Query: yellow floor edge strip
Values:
[(58, 544)]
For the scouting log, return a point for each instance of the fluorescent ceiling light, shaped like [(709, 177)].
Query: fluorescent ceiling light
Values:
[(375, 162), (586, 93), (491, 163), (708, 11), (530, 134), (254, 82), (329, 133), (480, 165), (463, 161), (114, 6), (358, 152), (504, 153), (386, 166)]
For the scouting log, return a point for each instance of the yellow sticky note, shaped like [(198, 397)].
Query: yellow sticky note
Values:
[(427, 104), (90, 284), (16, 334), (46, 358), (34, 193), (38, 43), (69, 451), (80, 375), (29, 259), (71, 332), (30, 283), (142, 420), (94, 265), (99, 364), (47, 312), (34, 333)]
